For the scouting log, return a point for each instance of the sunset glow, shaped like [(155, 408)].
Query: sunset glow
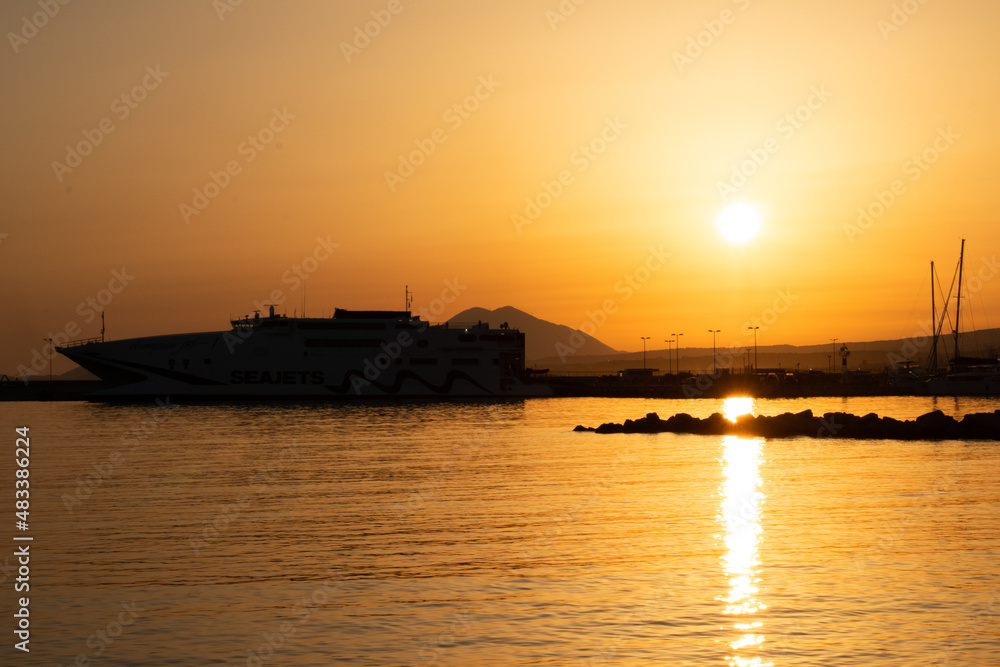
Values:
[(325, 155)]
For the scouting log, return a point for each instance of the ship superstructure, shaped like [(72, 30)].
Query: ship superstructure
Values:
[(352, 354)]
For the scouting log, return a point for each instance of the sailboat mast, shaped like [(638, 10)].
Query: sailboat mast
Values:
[(958, 301), (934, 348)]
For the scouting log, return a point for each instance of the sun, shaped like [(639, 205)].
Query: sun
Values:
[(739, 222)]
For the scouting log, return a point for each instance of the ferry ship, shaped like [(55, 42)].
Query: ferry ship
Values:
[(362, 354)]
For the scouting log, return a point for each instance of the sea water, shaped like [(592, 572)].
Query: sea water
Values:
[(490, 533)]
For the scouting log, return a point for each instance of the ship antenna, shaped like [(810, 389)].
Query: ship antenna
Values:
[(409, 298), (102, 326)]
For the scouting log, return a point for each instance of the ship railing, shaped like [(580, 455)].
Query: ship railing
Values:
[(83, 341), (468, 325)]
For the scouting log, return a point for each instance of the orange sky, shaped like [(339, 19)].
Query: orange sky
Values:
[(409, 153)]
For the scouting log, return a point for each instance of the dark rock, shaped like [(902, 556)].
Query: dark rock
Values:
[(716, 424), (610, 427), (937, 425), (981, 425), (933, 425), (682, 423)]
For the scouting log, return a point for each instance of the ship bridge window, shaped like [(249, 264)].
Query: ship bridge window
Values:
[(342, 326), (266, 324), (343, 342), (489, 338)]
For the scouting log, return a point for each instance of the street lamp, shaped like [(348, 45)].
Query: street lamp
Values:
[(678, 349), (670, 357), (754, 346), (713, 332), (644, 339)]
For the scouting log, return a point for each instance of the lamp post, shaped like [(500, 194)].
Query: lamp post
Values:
[(644, 339), (670, 357), (678, 350), (713, 332), (754, 346)]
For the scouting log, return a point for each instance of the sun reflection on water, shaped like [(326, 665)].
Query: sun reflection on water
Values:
[(735, 406), (741, 510)]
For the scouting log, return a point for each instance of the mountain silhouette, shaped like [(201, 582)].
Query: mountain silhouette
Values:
[(542, 338)]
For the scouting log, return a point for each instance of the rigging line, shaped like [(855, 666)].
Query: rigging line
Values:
[(944, 310), (975, 334), (947, 301), (986, 313), (913, 307)]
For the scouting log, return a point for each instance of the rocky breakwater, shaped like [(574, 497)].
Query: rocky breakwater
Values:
[(932, 426)]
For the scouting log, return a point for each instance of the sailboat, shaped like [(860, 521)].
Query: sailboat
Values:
[(966, 376)]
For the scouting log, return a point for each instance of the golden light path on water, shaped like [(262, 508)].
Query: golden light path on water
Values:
[(740, 515)]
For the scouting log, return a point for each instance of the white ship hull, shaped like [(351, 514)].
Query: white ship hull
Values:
[(355, 354)]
